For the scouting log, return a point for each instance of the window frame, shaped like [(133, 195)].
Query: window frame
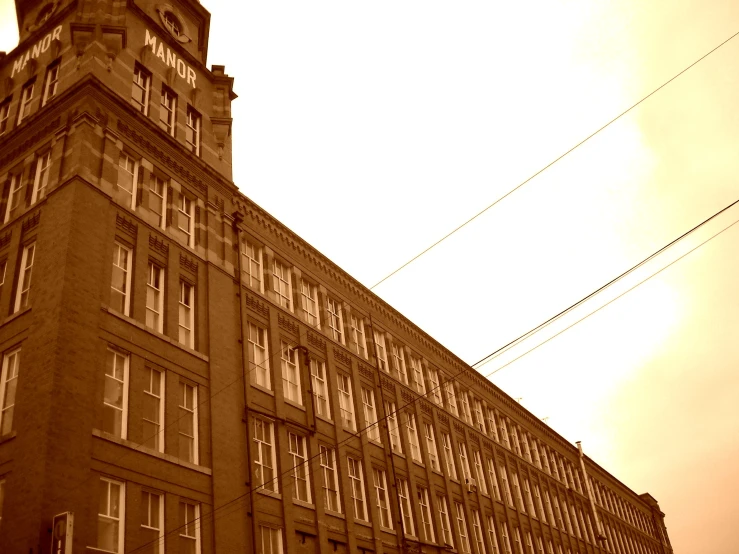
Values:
[(419, 383), (398, 361), (477, 532), (427, 521), (134, 173), (141, 81), (404, 501), (382, 498), (446, 524), (186, 306), (126, 359), (193, 126), (431, 449), (480, 471), (170, 109), (346, 401), (51, 81), (370, 415), (156, 294), (451, 397), (121, 519), (335, 319), (183, 388), (393, 427), (435, 387), (146, 510), (274, 548), (356, 479), (41, 176), (252, 260), (258, 354), (26, 98), (195, 522), (381, 351), (157, 180), (308, 293), (266, 448), (298, 451), (462, 529), (411, 426), (290, 368), (11, 363), (330, 475), (356, 324), (446, 443), (186, 212), (159, 443), (319, 384), (14, 196), (282, 287), (25, 276), (4, 116)]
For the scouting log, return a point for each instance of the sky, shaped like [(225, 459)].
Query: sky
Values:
[(372, 129)]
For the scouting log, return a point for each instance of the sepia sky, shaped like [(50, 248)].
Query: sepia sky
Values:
[(374, 128)]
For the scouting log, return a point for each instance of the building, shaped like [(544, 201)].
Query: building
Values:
[(181, 373)]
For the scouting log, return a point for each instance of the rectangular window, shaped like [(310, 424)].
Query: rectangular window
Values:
[(446, 528), (320, 388), (424, 507), (356, 481), (517, 490), (435, 389), (168, 111), (465, 462), (258, 354), (4, 116), (270, 540), (111, 516), (479, 420), (446, 442), (188, 423), (370, 415), (492, 427), (299, 454), (251, 265), (464, 404), (417, 371), (41, 178), (493, 478), (462, 529), (477, 532), (115, 397), (393, 427), (406, 514), (381, 352), (290, 373), (152, 520), (153, 408), (14, 196), (186, 218), (529, 543), (451, 397), (431, 446), (51, 82), (155, 298), (128, 175), (309, 303), (539, 504), (24, 109), (479, 471), (8, 386), (327, 460), (517, 540), (412, 429), (189, 528), (549, 511), (506, 485), (346, 401), (383, 506), (399, 363), (282, 284), (535, 452), (3, 271), (335, 320), (359, 341), (140, 89), (187, 315), (515, 440), (504, 431), (506, 539), (192, 130), (265, 462), (158, 199), (493, 535)]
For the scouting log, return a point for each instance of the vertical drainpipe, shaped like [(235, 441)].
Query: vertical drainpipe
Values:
[(238, 218), (600, 537)]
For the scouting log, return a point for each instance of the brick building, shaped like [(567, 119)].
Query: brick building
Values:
[(184, 374)]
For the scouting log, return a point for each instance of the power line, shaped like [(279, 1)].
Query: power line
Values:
[(550, 164)]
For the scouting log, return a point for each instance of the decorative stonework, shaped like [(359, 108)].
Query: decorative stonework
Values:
[(365, 372), (158, 245), (407, 396), (126, 225), (459, 428), (189, 264), (444, 419), (426, 408), (287, 324), (30, 142), (316, 341), (5, 239), (254, 304), (342, 357), (387, 384), (475, 438), (488, 446), (31, 222)]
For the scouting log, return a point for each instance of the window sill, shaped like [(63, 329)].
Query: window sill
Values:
[(7, 437), (363, 523), (145, 450), (418, 463), (267, 492), (437, 471), (265, 390), (399, 454), (15, 315), (335, 514), (304, 504), (388, 530), (294, 404), (326, 419)]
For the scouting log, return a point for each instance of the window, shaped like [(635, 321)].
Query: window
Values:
[(265, 463), (462, 447), (128, 172), (529, 543), (493, 478), (424, 507), (153, 419), (115, 397), (535, 452), (258, 355), (327, 460), (540, 505), (370, 414), (506, 540), (192, 131), (399, 363), (446, 528), (506, 485), (451, 397), (435, 389), (417, 371), (335, 320), (188, 423), (299, 454), (492, 427), (479, 420), (477, 532), (431, 446), (24, 109), (446, 442), (187, 314), (479, 471), (309, 303), (346, 402), (4, 115), (152, 519), (529, 500), (14, 195), (393, 428), (558, 512), (320, 388), (383, 507), (504, 431), (492, 534), (111, 516), (290, 373), (464, 404), (155, 298), (168, 111), (515, 441), (158, 199), (270, 540), (189, 528), (8, 386), (41, 178), (359, 341), (185, 218), (462, 528), (3, 271), (410, 425), (517, 490), (140, 89), (405, 508), (356, 482), (251, 262), (50, 82), (282, 284), (381, 352), (517, 540)]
